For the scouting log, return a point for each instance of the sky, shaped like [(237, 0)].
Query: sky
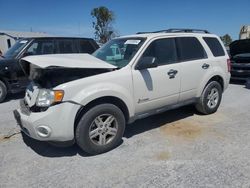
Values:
[(72, 18)]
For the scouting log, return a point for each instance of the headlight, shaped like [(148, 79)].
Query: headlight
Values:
[(48, 97)]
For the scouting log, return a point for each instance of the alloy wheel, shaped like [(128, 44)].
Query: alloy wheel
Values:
[(213, 98), (103, 129)]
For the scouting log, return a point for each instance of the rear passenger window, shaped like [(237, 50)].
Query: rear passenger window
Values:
[(163, 49), (214, 46), (66, 46), (86, 47), (190, 48)]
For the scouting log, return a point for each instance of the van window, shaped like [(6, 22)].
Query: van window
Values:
[(8, 43), (189, 48), (86, 47), (40, 47), (163, 50), (16, 48), (66, 46), (214, 46)]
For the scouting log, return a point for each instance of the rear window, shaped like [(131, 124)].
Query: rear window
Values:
[(190, 48), (214, 46), (86, 47)]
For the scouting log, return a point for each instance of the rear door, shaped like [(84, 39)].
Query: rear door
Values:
[(157, 87), (193, 63)]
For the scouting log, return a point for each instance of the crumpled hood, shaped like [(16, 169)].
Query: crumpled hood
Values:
[(86, 61), (239, 47)]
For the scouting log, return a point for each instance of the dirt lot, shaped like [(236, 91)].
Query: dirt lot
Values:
[(176, 149)]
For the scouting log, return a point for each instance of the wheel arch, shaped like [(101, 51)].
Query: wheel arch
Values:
[(5, 82), (217, 78), (206, 81), (107, 99)]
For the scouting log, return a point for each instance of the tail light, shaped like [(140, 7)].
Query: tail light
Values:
[(228, 65)]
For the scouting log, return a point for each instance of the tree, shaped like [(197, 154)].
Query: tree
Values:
[(103, 23), (226, 39)]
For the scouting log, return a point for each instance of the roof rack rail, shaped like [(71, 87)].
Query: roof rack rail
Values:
[(144, 32), (177, 30)]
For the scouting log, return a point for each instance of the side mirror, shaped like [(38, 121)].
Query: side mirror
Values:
[(147, 62)]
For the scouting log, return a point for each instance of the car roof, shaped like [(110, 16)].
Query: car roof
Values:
[(51, 37)]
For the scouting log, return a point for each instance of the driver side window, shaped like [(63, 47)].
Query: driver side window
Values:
[(40, 47), (163, 50), (32, 49)]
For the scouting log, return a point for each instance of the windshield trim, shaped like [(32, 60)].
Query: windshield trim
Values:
[(17, 55)]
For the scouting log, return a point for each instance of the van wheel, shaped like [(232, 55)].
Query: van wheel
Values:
[(100, 129), (3, 91), (210, 98)]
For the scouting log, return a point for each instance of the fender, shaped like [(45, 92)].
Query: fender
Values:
[(99, 90), (215, 71)]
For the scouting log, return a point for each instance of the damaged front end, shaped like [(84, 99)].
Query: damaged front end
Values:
[(46, 72), (53, 76), (44, 114)]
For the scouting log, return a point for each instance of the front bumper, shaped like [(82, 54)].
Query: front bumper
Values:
[(57, 120)]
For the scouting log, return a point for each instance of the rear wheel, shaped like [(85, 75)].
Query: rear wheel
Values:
[(100, 129), (210, 98), (3, 91)]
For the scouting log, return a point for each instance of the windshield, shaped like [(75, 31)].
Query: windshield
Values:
[(14, 50), (119, 52)]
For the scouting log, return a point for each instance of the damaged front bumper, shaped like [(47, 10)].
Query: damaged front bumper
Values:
[(54, 124)]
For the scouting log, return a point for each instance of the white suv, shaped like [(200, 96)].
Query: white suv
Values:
[(89, 99)]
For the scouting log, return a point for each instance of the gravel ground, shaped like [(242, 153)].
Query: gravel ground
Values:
[(175, 149)]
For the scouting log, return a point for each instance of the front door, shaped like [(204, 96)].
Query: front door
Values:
[(159, 86)]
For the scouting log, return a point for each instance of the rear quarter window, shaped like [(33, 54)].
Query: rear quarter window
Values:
[(190, 48), (215, 46)]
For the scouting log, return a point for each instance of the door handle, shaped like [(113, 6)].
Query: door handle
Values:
[(172, 73), (205, 66)]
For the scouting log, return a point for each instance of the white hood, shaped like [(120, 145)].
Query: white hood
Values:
[(68, 61)]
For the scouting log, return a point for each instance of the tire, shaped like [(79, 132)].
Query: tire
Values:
[(3, 91), (106, 123), (210, 99)]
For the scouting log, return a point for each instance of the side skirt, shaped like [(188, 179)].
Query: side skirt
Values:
[(161, 110)]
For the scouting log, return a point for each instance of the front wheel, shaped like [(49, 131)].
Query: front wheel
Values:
[(100, 129), (3, 91), (210, 99)]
